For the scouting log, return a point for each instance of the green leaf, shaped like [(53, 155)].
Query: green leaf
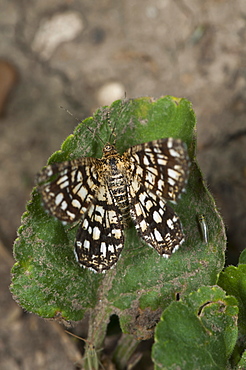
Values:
[(198, 332), (242, 258), (48, 281), (242, 363), (233, 281)]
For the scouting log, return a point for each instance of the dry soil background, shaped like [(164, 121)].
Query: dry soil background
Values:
[(84, 53)]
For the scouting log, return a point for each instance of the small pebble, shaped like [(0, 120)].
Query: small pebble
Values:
[(52, 32), (110, 92)]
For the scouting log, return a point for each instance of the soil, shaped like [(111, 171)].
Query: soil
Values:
[(84, 54)]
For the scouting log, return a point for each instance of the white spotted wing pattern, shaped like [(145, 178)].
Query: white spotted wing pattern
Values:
[(107, 193)]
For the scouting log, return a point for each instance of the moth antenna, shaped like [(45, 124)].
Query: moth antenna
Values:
[(111, 128), (79, 121), (71, 114)]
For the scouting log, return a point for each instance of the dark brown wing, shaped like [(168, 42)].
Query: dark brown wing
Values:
[(68, 188), (162, 166)]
